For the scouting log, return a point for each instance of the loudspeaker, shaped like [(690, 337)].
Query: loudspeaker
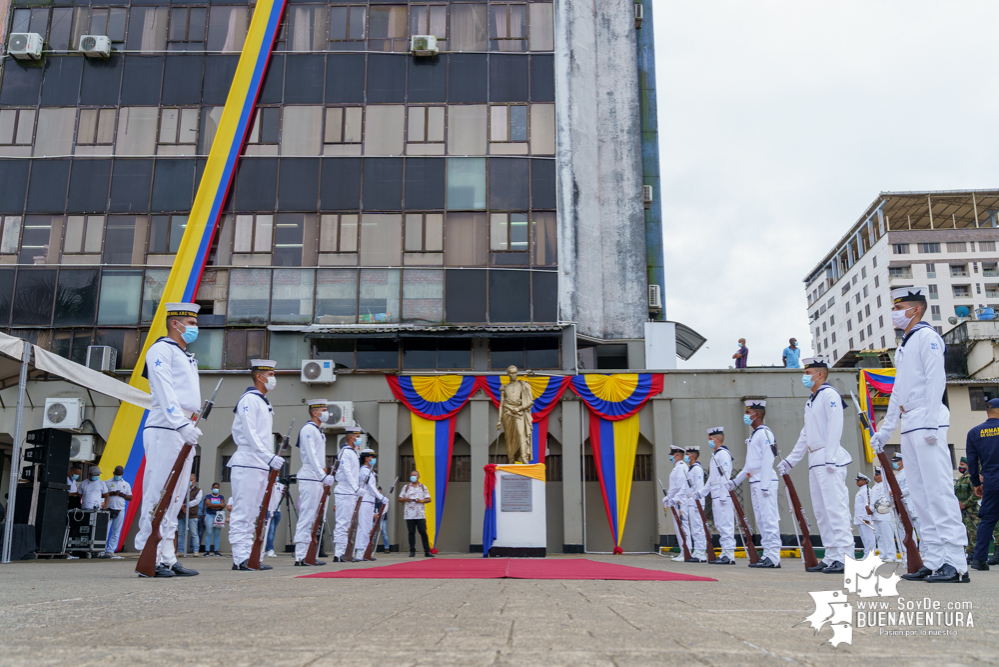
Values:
[(50, 516), (51, 451)]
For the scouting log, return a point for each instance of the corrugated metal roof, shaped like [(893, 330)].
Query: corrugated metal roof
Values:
[(321, 330)]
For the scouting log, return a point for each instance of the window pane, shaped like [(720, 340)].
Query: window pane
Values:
[(76, 297), (263, 233), (499, 123), (466, 239), (291, 298), (542, 27), (301, 130), (506, 352), (54, 134), (6, 292), (423, 296), (466, 295), (95, 234), (456, 353), (137, 131), (11, 234), (235, 348), (178, 224), (545, 252), (543, 129), (119, 240), (336, 296), (208, 348), (381, 241), (289, 349), (227, 27), (121, 294), (541, 352), (152, 292), (377, 353), (306, 28), (468, 27), (419, 353), (159, 232), (518, 123), (466, 183), (434, 232), (35, 239), (499, 232), (384, 135), (334, 125), (73, 234), (348, 233), (466, 133), (518, 232), (243, 238), (147, 29), (33, 297), (249, 293), (414, 232), (379, 296), (513, 289), (288, 235)]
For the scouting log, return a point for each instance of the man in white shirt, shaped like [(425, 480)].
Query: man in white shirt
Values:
[(313, 482), (120, 493), (414, 496), (345, 493), (863, 511), (759, 470), (916, 407), (93, 491), (253, 433)]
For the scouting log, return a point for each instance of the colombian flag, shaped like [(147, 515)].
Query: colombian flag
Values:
[(614, 402), (882, 381), (546, 391), (433, 402), (124, 445)]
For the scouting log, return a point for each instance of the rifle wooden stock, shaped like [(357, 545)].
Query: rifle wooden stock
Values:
[(352, 532), (373, 537), (261, 523), (313, 552), (807, 552), (707, 531), (147, 559), (747, 535), (683, 536), (912, 557)]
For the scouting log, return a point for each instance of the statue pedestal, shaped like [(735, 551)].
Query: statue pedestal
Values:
[(521, 529)]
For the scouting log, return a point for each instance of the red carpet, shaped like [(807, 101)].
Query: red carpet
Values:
[(507, 568)]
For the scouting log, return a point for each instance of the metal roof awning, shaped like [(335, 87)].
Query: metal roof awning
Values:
[(415, 331), (688, 341)]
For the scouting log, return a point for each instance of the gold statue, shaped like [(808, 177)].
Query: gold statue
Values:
[(515, 419)]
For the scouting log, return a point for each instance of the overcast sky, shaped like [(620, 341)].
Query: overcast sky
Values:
[(781, 121)]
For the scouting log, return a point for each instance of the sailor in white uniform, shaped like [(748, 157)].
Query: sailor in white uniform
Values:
[(719, 472), (253, 433), (884, 525), (863, 513), (759, 470), (916, 407), (369, 494), (345, 493), (176, 397), (695, 484), (312, 477), (677, 489), (827, 461)]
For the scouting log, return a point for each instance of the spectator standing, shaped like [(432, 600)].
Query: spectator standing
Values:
[(742, 356), (274, 514), (791, 354), (94, 493), (120, 493), (187, 520), (983, 465), (75, 473), (213, 508), (414, 496)]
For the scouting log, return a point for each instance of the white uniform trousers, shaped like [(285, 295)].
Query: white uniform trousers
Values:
[(724, 518), (345, 503), (248, 486), (867, 537), (900, 528), (831, 505), (695, 531), (310, 497), (162, 448), (767, 520), (943, 536), (365, 518), (886, 538)]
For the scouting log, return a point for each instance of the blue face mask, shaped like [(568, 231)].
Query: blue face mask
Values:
[(373, 461), (215, 492), (807, 380), (190, 333), (94, 478), (686, 459), (747, 419), (117, 478), (76, 478), (894, 466), (413, 478)]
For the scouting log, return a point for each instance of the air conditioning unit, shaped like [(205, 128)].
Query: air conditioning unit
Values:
[(81, 447), (655, 298), (95, 46), (639, 15), (316, 371), (647, 195), (25, 45), (341, 414), (102, 358), (423, 45), (63, 413)]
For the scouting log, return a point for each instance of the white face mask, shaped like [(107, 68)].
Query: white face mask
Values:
[(271, 383), (899, 320), (324, 416)]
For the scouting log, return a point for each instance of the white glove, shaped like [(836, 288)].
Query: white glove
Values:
[(190, 433), (930, 437), (830, 468), (783, 467), (328, 480), (276, 463), (729, 485), (878, 442)]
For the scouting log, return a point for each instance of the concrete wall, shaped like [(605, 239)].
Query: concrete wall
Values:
[(602, 263), (691, 402)]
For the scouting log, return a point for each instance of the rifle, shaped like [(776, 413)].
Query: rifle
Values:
[(352, 532), (747, 535), (146, 567), (679, 526), (253, 562), (704, 521), (316, 534), (804, 540), (912, 558), (373, 537)]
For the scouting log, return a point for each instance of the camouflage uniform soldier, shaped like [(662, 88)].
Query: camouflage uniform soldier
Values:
[(969, 504)]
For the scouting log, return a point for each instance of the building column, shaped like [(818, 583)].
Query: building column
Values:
[(662, 431), (480, 436), (572, 476), (388, 456)]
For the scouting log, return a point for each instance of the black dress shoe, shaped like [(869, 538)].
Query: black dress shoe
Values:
[(322, 553), (299, 563), (412, 554), (919, 575), (337, 559), (266, 567), (835, 567), (817, 568), (979, 565), (163, 571), (767, 563), (692, 560), (993, 561), (182, 571), (372, 558), (947, 574), (242, 566), (724, 560), (428, 555)]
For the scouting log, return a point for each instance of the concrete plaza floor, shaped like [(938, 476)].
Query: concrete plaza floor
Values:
[(89, 612)]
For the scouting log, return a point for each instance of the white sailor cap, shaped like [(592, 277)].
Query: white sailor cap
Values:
[(756, 404), (316, 403), (715, 430), (262, 365), (816, 362), (693, 450), (182, 309), (900, 294), (675, 448), (862, 476), (354, 429), (877, 471), (897, 456), (367, 451)]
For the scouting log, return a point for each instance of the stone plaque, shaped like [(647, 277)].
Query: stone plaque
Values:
[(515, 494)]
